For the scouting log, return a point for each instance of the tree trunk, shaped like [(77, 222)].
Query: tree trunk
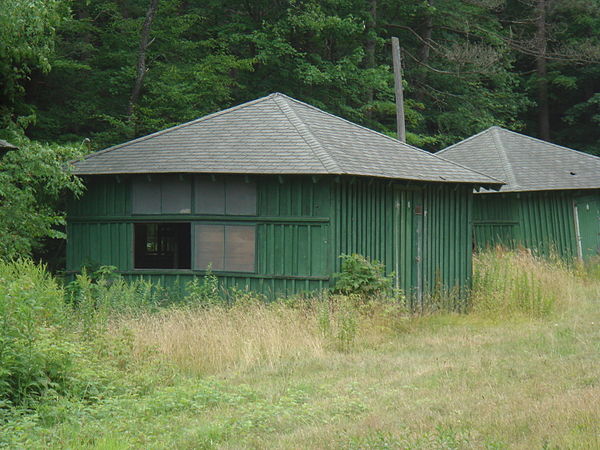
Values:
[(141, 62), (370, 49), (424, 50), (541, 41)]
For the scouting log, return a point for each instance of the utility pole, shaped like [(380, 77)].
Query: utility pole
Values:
[(399, 90)]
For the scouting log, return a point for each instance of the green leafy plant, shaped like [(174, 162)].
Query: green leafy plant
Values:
[(32, 314), (205, 292), (363, 277)]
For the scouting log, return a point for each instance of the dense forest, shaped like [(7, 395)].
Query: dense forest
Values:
[(81, 75)]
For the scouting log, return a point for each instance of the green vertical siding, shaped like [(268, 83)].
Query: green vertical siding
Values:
[(447, 239), (541, 221), (495, 220), (588, 212), (421, 234), (93, 244), (292, 229)]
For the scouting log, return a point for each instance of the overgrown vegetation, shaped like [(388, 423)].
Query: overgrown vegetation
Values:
[(107, 363)]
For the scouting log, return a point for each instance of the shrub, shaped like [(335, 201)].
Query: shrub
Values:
[(32, 314), (362, 277), (102, 293), (205, 292)]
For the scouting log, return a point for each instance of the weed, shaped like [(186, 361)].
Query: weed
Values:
[(363, 277), (204, 293), (516, 282)]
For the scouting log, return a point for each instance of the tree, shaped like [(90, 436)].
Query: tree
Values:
[(33, 180), (27, 30)]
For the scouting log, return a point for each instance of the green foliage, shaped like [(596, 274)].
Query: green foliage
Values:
[(104, 293), (27, 30), (205, 292), (507, 283), (32, 359), (363, 277), (33, 180)]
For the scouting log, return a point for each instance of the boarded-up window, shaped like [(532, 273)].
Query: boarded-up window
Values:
[(210, 247), (229, 248), (146, 196), (239, 248), (210, 196), (240, 197), (176, 195), (225, 195), (164, 194)]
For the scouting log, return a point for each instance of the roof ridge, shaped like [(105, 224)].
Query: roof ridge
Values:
[(328, 162), (466, 139), (389, 138), (506, 165), (176, 127)]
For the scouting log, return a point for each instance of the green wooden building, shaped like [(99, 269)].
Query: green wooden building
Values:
[(550, 202), (269, 194)]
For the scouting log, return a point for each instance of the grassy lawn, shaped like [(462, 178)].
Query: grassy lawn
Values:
[(270, 377)]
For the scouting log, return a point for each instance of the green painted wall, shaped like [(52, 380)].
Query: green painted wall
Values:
[(588, 213), (542, 221), (292, 232), (422, 232)]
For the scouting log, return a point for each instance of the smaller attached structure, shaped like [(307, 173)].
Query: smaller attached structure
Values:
[(269, 194), (551, 199)]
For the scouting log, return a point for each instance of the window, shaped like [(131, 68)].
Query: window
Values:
[(225, 195), (228, 248), (162, 246), (163, 194)]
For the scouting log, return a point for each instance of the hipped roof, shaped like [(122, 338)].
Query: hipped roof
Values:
[(276, 135), (525, 163)]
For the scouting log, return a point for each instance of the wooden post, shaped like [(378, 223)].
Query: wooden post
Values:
[(399, 90)]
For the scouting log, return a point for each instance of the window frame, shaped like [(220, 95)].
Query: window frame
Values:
[(193, 264)]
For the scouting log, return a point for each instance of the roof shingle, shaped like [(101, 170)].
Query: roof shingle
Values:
[(525, 163), (276, 135)]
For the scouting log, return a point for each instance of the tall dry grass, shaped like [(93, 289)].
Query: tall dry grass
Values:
[(210, 340), (249, 334), (507, 282)]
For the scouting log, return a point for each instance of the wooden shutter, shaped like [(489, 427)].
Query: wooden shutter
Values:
[(176, 195), (209, 247), (145, 196), (240, 197), (209, 196), (239, 248)]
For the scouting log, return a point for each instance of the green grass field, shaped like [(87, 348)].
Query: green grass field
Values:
[(510, 374)]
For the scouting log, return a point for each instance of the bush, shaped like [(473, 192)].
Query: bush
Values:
[(32, 314), (362, 277), (204, 293)]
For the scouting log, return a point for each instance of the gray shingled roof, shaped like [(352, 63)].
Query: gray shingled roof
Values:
[(525, 163), (275, 135)]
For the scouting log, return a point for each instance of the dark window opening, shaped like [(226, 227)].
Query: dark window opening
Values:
[(162, 246)]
